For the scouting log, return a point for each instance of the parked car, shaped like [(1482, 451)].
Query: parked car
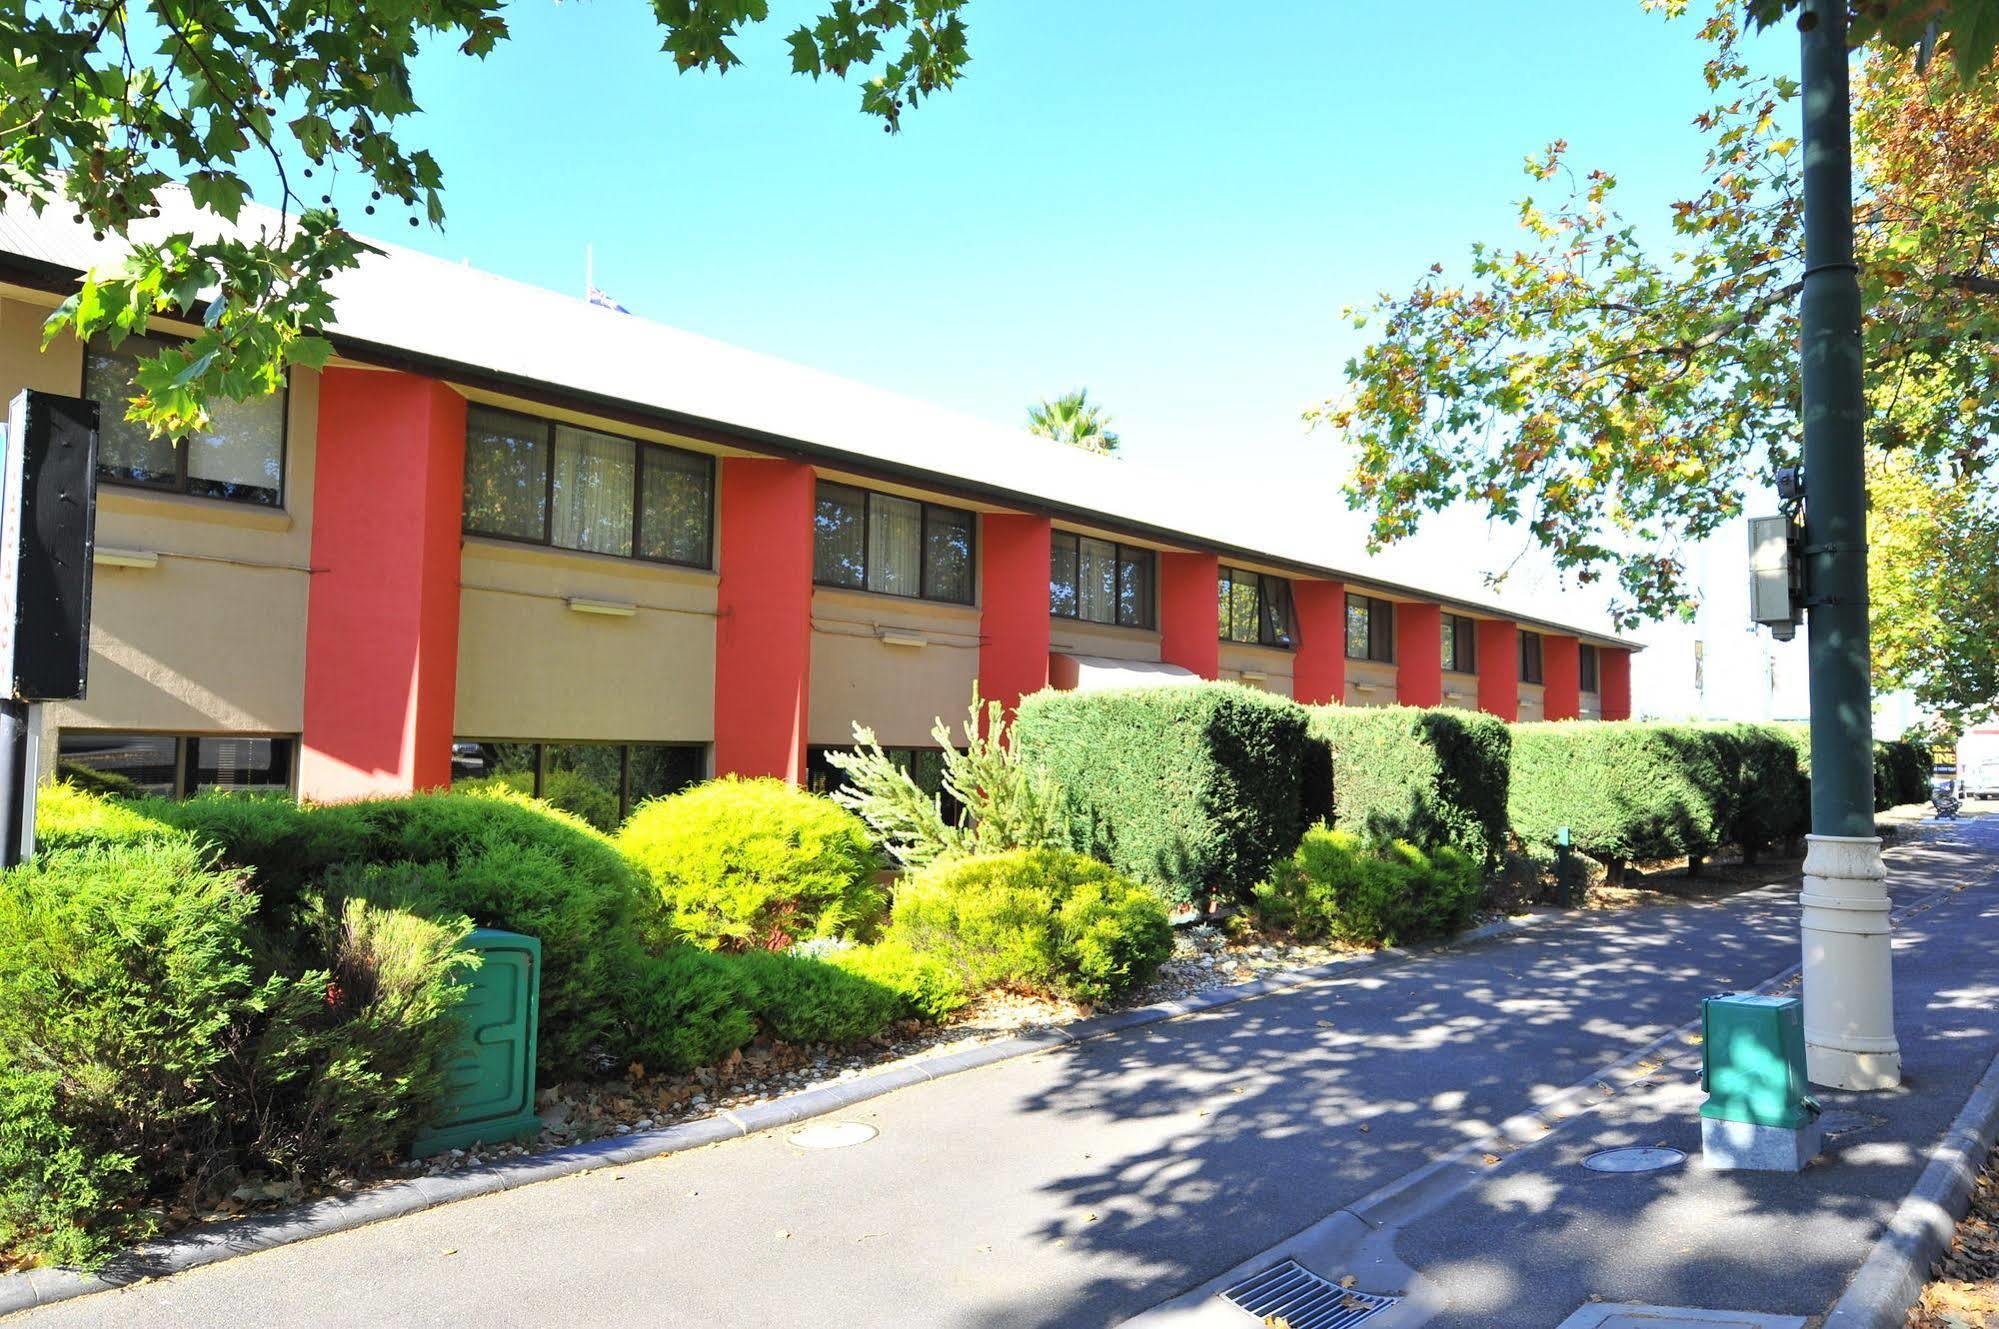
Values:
[(1978, 762)]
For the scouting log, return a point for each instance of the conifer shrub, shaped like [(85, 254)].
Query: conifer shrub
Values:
[(756, 865), (1195, 790), (1340, 887), (1627, 791), (1040, 920), (926, 986)]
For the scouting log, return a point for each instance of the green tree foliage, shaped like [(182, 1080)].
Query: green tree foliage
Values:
[(1614, 393), (1004, 802), (1074, 419), (1933, 601), (105, 106)]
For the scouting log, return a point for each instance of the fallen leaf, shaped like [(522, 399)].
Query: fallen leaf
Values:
[(1348, 1280), (449, 1250), (1490, 1159), (783, 1235)]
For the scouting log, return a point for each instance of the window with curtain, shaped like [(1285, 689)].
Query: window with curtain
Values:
[(1370, 629), (1586, 665), (561, 485), (1530, 657), (240, 457), (1460, 644), (176, 765), (1255, 608), (1100, 581), (866, 541)]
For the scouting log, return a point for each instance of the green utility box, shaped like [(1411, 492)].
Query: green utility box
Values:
[(489, 1087), (1753, 1062)]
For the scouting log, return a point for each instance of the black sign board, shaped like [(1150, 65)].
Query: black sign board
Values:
[(48, 526)]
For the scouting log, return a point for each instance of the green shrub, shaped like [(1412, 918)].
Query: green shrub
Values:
[(125, 982), (803, 1000), (927, 986), (1337, 887), (1036, 919), (1430, 777), (572, 791), (1627, 791), (1195, 789), (756, 864), (1770, 806), (1902, 773), (689, 1008)]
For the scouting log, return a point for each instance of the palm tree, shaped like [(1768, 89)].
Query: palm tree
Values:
[(1071, 418)]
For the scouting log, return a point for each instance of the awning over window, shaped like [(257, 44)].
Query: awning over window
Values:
[(1094, 673)]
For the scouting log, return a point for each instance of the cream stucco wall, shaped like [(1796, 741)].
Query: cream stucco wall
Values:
[(530, 667), (1275, 665), (212, 638), (1461, 690), (899, 691), (1370, 683), (1071, 636), (1532, 702), (1592, 706)]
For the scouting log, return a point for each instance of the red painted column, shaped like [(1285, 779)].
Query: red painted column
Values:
[(763, 628), (1319, 669), (1013, 612), (381, 636), (1613, 682), (1561, 677), (1419, 654), (1499, 668), (1189, 621)]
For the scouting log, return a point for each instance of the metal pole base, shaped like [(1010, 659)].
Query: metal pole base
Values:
[(1849, 999)]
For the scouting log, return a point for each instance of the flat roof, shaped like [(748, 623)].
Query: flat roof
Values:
[(406, 309)]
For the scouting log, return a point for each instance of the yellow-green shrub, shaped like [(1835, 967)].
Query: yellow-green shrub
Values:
[(1339, 887)]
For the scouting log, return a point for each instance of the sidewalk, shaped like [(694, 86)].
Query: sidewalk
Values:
[(1084, 1185)]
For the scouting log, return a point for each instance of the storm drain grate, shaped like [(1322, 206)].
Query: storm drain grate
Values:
[(1293, 1296)]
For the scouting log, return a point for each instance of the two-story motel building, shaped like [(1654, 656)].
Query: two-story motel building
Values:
[(512, 526)]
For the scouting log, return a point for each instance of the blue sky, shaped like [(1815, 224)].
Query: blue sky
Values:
[(1165, 205)]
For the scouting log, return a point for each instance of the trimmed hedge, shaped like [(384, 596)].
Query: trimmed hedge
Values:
[(1902, 769), (1427, 776), (1195, 790), (1770, 806), (1625, 790), (1339, 886)]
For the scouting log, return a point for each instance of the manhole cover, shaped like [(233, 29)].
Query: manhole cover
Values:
[(1634, 1160), (1291, 1294), (832, 1135), (1846, 1123)]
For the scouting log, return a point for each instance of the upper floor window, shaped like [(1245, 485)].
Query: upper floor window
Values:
[(1099, 581), (555, 484), (1530, 657), (1460, 644), (1370, 629), (239, 457), (897, 546), (1586, 665), (1255, 608)]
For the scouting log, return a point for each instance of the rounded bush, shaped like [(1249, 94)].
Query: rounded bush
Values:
[(689, 1008), (756, 864), (928, 987), (1337, 887), (1036, 919)]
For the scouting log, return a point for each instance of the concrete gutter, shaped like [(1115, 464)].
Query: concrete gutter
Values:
[(221, 1241), (1894, 1273)]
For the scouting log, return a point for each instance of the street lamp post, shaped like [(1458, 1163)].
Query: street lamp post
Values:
[(1849, 1011)]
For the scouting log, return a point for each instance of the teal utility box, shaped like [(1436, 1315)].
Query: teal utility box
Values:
[(1753, 1062), (489, 1087)]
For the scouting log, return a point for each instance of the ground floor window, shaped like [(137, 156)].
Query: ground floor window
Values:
[(176, 765), (599, 782), (924, 765)]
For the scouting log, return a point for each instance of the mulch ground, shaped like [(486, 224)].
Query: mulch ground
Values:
[(1965, 1291)]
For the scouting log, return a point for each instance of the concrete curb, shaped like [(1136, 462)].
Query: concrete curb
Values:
[(1893, 1275), (205, 1245)]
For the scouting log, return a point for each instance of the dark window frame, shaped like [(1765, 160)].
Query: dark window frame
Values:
[(868, 496), (639, 450), (1265, 635), (542, 745), (1462, 630), (186, 755), (1533, 668), (1380, 639), (180, 482), (1122, 554), (1589, 669)]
